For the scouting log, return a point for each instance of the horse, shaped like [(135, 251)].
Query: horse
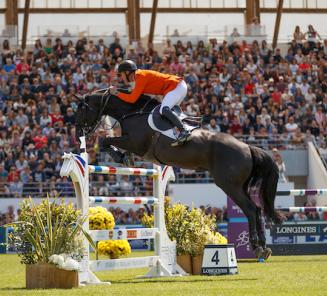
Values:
[(235, 166)]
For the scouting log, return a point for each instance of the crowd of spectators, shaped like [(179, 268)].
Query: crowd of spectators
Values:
[(247, 90)]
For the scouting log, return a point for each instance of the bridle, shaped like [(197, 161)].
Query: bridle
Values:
[(86, 129)]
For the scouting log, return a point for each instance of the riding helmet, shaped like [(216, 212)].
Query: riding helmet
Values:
[(127, 66)]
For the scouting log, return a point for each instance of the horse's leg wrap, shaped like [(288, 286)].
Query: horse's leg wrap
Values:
[(122, 142), (117, 155), (260, 228)]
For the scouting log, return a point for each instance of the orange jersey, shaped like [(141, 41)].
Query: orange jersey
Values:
[(150, 82)]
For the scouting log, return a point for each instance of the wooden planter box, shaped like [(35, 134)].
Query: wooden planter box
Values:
[(48, 276), (197, 264), (185, 262)]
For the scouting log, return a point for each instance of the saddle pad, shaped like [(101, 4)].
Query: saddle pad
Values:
[(159, 123)]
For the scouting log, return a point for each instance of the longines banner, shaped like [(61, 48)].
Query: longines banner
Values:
[(299, 229)]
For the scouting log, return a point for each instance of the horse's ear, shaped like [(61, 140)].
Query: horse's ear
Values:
[(80, 98)]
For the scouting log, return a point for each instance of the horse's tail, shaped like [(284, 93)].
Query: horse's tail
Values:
[(265, 170)]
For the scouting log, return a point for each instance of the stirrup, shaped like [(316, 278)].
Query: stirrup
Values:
[(183, 137)]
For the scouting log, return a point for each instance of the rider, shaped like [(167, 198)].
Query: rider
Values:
[(140, 82)]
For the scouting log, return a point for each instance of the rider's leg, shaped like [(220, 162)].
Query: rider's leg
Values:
[(171, 99)]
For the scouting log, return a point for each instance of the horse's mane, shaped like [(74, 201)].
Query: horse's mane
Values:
[(144, 101)]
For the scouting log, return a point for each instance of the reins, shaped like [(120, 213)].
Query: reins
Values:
[(103, 105)]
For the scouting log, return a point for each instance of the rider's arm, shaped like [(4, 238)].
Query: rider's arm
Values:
[(135, 93)]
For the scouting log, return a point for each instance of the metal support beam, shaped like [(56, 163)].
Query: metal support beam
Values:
[(257, 9), (11, 13), (250, 11), (133, 18), (130, 20), (277, 23), (153, 20), (137, 21), (11, 18), (25, 25)]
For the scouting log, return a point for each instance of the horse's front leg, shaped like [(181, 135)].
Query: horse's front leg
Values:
[(111, 144), (123, 142)]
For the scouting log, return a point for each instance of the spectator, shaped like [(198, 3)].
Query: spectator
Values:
[(312, 36), (9, 67), (213, 126), (298, 36), (125, 185), (280, 164), (235, 33), (291, 126), (16, 187)]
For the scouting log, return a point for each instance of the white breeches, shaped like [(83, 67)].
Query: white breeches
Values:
[(175, 96)]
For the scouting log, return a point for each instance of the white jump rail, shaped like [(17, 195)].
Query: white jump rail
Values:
[(164, 261)]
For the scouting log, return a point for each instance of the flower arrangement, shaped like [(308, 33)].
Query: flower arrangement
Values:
[(114, 248), (64, 261), (100, 218), (147, 220), (48, 229), (191, 229)]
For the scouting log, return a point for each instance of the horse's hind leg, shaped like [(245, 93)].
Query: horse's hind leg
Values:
[(250, 211), (261, 234)]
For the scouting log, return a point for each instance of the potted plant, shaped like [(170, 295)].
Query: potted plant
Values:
[(177, 224), (49, 240), (202, 232), (114, 248), (192, 230), (100, 219)]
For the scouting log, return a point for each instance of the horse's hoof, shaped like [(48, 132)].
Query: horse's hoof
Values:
[(259, 252), (266, 253)]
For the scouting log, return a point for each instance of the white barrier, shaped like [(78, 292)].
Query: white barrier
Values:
[(164, 261)]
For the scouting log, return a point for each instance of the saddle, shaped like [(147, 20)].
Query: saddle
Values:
[(162, 125)]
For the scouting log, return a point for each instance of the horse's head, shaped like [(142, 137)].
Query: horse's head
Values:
[(88, 115), (92, 107)]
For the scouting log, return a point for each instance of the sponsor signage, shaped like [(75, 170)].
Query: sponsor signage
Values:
[(219, 260), (299, 229), (298, 249), (283, 240), (131, 234)]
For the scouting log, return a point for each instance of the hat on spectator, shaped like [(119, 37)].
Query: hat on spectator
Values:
[(226, 99)]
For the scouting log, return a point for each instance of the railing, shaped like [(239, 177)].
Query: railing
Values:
[(321, 156), (311, 4), (130, 187)]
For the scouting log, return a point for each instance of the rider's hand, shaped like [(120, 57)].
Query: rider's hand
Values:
[(113, 90)]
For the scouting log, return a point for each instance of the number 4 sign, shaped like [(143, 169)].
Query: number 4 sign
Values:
[(219, 260)]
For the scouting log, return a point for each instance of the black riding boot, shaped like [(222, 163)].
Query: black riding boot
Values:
[(184, 134)]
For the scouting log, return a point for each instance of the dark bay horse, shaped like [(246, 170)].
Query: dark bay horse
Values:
[(234, 165)]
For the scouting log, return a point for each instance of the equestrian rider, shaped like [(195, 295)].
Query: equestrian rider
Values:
[(173, 89)]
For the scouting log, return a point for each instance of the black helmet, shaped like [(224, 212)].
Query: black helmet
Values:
[(127, 66)]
